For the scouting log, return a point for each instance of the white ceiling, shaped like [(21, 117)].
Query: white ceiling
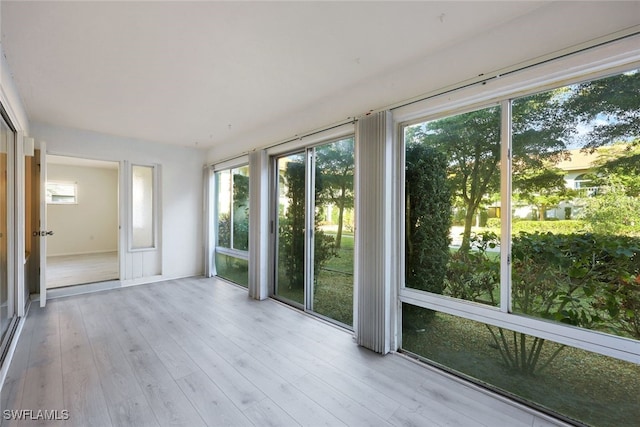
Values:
[(246, 74)]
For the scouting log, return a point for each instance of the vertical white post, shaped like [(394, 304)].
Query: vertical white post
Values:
[(505, 208), (209, 217)]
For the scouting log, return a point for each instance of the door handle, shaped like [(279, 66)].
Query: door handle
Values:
[(42, 233)]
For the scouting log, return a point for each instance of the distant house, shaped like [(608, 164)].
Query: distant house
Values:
[(578, 166)]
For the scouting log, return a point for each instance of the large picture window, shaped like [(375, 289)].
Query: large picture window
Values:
[(232, 224), (526, 215)]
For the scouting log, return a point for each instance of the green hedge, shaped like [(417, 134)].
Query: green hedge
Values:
[(583, 279), (555, 227)]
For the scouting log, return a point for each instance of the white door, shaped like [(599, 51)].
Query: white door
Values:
[(43, 224)]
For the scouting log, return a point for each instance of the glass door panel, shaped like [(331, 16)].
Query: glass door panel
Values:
[(290, 227), (5, 135), (333, 231)]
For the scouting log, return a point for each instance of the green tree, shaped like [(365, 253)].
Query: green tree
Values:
[(240, 212), (543, 188), (335, 162), (471, 143), (615, 208), (609, 108), (428, 220), (292, 228)]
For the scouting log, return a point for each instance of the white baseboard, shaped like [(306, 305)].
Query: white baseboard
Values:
[(84, 253)]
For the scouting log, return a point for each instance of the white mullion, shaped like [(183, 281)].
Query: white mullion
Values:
[(610, 345), (505, 208), (309, 237), (230, 208)]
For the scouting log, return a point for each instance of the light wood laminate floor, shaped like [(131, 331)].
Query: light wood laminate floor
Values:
[(67, 270), (199, 352)]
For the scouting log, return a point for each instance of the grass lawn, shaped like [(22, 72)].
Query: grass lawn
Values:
[(594, 389), (333, 287)]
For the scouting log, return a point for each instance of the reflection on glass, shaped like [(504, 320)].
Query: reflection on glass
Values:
[(290, 269), (241, 208), (142, 207), (452, 192), (333, 243), (590, 388), (5, 139), (576, 193), (233, 269), (232, 189), (223, 192)]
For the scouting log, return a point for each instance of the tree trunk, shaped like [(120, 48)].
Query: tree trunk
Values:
[(468, 223), (340, 219), (541, 212)]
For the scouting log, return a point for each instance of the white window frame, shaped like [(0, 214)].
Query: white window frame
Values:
[(588, 65), (228, 165), (306, 148), (155, 205), (75, 192)]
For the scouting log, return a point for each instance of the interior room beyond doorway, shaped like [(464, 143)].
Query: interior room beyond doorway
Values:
[(82, 212)]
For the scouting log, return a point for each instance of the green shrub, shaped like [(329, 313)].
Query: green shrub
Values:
[(556, 226), (493, 223), (291, 242), (428, 218), (581, 279), (473, 275), (428, 221)]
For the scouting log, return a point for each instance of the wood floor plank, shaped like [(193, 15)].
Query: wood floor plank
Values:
[(285, 394), (198, 351), (339, 404), (266, 413), (84, 398), (211, 403), (125, 399), (43, 389), (66, 270)]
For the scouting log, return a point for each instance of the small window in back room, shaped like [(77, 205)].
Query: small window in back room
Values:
[(62, 193)]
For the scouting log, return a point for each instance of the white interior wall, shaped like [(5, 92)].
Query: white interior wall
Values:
[(181, 191), (10, 97), (91, 225)]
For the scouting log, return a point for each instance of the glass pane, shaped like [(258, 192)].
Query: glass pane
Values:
[(233, 269), (223, 191), (333, 245), (587, 387), (241, 208), (62, 192), (6, 137), (576, 192), (452, 206), (290, 269), (142, 207)]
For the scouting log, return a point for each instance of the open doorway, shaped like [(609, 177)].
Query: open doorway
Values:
[(82, 212)]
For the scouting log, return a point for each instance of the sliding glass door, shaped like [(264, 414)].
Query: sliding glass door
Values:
[(7, 292), (291, 220), (314, 230)]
